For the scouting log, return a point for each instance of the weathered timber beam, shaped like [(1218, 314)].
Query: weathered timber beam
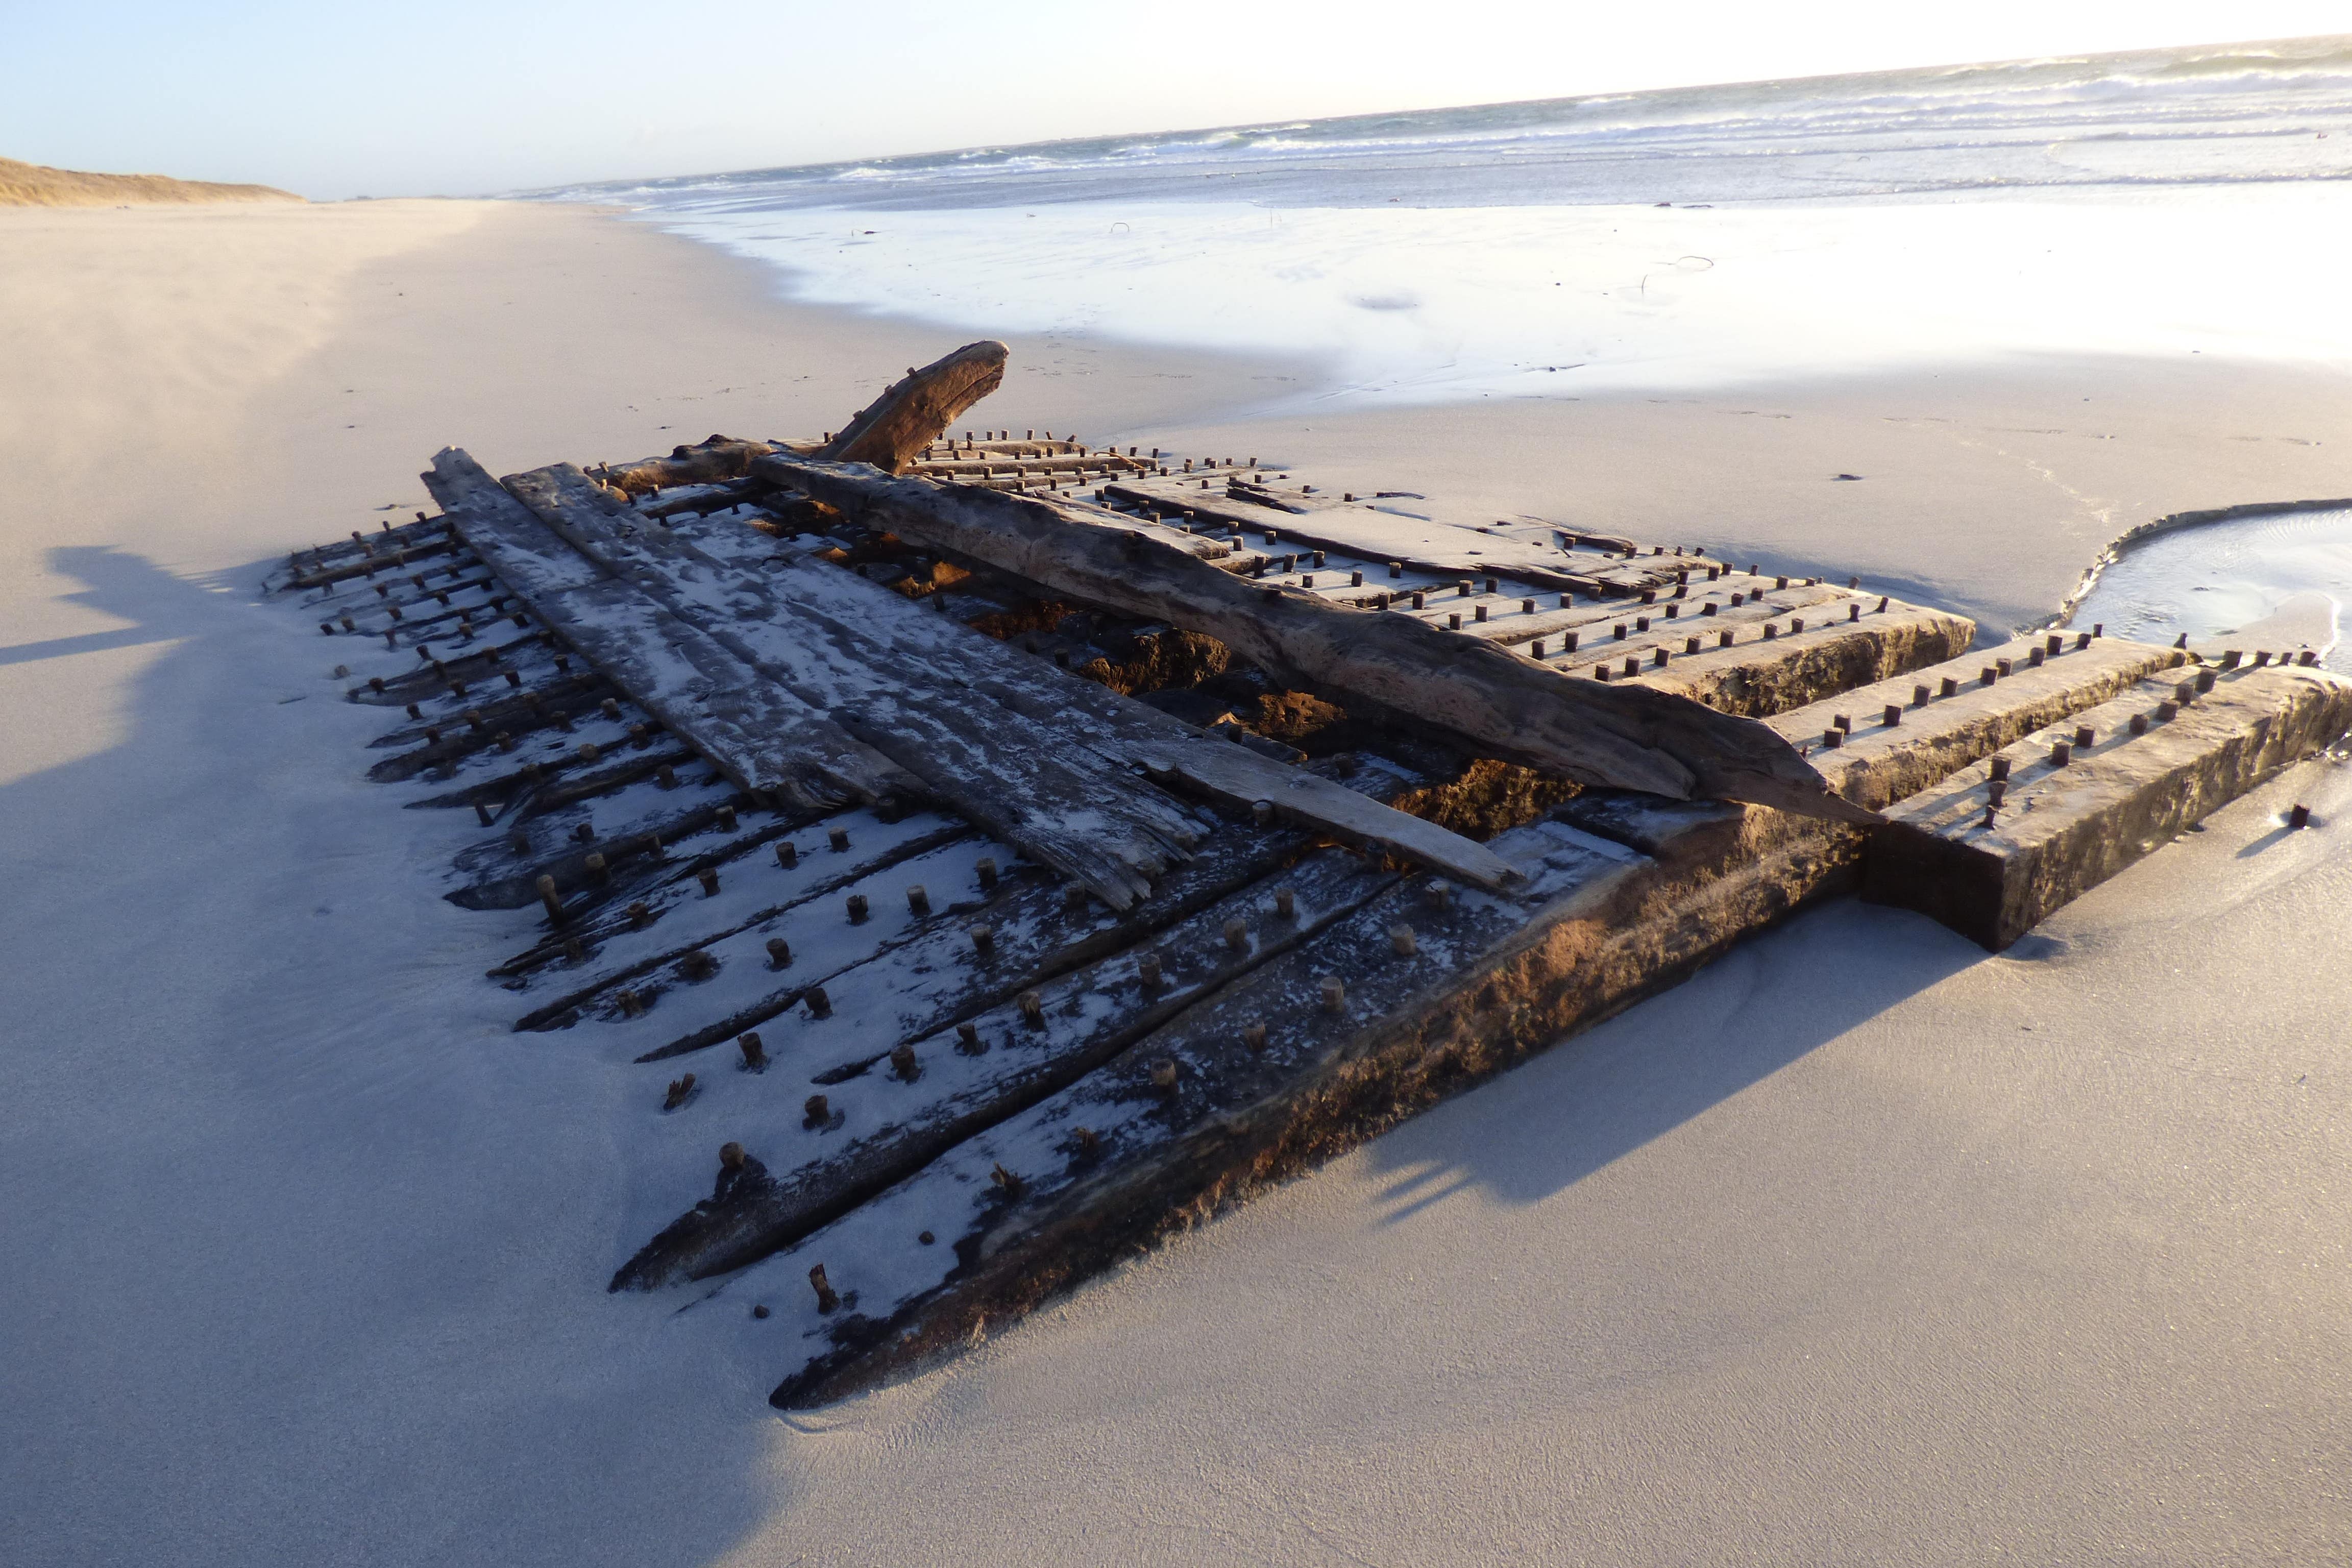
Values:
[(1063, 806), (892, 431), (897, 633), (714, 460), (760, 737), (1619, 735)]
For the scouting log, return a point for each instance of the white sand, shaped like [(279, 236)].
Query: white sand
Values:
[(1863, 1247)]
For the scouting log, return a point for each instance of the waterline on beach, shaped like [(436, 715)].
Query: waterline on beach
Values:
[(1431, 304)]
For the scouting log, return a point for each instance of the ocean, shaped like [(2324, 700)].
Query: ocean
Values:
[(2166, 202)]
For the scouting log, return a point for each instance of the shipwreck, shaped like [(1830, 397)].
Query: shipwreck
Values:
[(1008, 851)]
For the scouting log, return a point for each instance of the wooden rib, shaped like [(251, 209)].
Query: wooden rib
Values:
[(1084, 1018)]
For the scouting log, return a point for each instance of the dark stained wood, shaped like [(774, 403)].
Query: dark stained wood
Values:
[(894, 429), (1610, 736)]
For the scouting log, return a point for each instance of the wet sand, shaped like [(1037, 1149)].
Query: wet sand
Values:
[(1863, 1247)]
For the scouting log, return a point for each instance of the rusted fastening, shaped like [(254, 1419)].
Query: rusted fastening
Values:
[(1006, 1182)]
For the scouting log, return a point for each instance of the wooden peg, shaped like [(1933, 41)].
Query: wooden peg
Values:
[(680, 1091), (820, 1005), (548, 895), (1285, 903), (903, 1065), (1335, 994), (987, 872), (1163, 1077), (838, 838), (780, 953), (815, 1112), (828, 1301), (1252, 1036), (983, 941), (918, 902), (1401, 939), (755, 1055), (857, 909), (1033, 1009), (1238, 936)]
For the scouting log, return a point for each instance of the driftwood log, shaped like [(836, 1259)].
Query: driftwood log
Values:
[(889, 433), (1603, 734), (711, 461), (893, 430)]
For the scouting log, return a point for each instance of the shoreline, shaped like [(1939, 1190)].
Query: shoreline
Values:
[(314, 1246)]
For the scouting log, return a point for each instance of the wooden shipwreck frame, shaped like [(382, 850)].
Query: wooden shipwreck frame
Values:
[(1007, 851)]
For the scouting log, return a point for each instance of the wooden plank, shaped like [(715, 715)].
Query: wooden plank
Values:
[(762, 738), (1620, 735), (1876, 764), (1127, 733), (900, 1119), (1068, 810), (1406, 529), (1761, 677), (2073, 815)]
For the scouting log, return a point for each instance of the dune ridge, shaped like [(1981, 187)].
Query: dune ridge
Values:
[(33, 185)]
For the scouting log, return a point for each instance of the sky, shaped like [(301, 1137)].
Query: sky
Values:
[(435, 97)]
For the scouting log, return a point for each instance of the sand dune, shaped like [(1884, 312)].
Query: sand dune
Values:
[(33, 185)]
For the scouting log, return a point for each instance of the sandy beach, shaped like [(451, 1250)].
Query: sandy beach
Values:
[(1862, 1248)]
